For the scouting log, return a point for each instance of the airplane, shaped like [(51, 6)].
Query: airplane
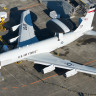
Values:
[(31, 49)]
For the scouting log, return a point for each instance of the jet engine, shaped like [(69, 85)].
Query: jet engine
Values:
[(48, 69), (14, 28), (12, 40), (71, 73)]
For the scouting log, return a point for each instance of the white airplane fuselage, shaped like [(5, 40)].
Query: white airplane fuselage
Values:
[(47, 45)]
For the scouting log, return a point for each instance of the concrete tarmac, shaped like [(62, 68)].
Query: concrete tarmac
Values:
[(26, 79)]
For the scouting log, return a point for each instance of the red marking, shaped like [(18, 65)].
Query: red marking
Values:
[(43, 79), (30, 6), (91, 11), (24, 85), (4, 88), (14, 87)]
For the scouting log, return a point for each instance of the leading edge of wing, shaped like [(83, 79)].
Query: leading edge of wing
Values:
[(48, 59)]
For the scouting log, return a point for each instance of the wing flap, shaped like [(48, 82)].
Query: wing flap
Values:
[(49, 59)]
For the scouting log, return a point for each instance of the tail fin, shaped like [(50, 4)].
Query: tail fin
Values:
[(87, 22)]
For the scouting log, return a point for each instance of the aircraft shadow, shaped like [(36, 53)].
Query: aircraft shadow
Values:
[(58, 71), (87, 41), (14, 19)]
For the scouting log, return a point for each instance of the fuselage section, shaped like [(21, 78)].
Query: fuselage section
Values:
[(44, 46)]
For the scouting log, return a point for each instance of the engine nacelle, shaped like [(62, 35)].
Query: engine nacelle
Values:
[(48, 69), (13, 39), (71, 73), (14, 28)]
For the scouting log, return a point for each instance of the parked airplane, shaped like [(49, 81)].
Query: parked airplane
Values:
[(29, 48)]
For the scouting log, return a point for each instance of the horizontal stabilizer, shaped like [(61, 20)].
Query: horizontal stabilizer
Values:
[(90, 33)]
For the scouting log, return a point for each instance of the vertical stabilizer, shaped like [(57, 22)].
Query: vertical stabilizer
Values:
[(87, 21)]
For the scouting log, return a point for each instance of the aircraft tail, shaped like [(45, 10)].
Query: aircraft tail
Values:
[(86, 24)]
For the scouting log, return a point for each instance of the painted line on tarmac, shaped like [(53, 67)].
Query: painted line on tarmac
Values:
[(24, 85), (41, 79), (27, 7), (30, 6), (89, 62), (4, 88), (15, 87)]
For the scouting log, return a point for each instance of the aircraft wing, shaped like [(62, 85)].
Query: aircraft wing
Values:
[(26, 30), (48, 59)]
